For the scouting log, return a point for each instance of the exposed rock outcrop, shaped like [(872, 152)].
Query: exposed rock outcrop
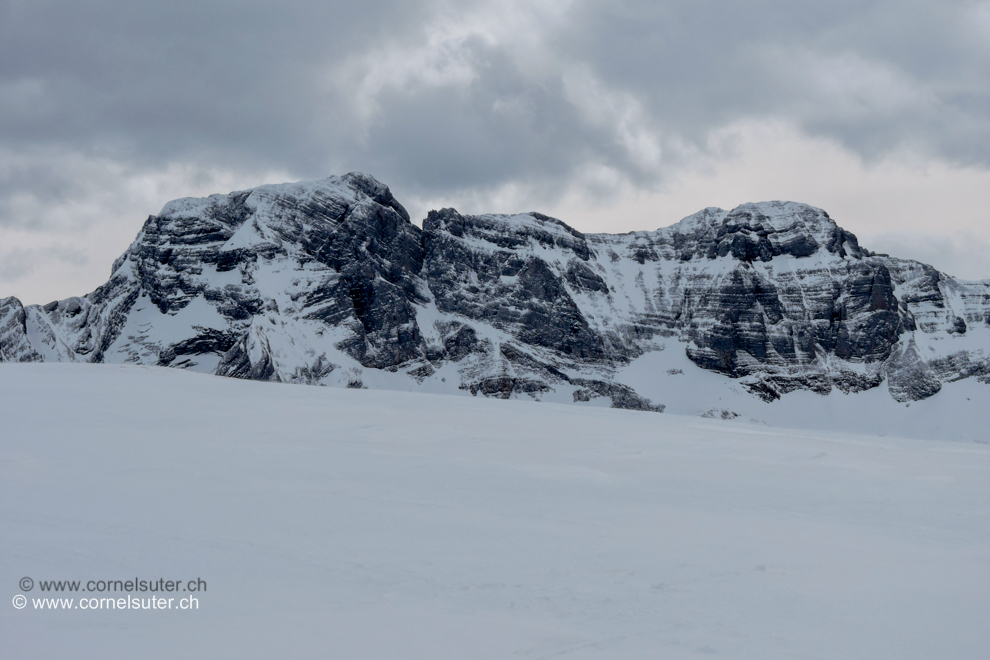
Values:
[(329, 282)]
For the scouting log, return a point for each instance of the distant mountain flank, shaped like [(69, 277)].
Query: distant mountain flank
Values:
[(328, 282)]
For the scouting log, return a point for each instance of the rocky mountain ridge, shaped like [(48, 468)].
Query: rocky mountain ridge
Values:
[(328, 282)]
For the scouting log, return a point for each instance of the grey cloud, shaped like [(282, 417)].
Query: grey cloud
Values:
[(274, 86), (500, 128), (152, 81), (20, 263), (875, 75), (962, 256)]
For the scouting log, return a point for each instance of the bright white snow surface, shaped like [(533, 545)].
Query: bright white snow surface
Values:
[(334, 523)]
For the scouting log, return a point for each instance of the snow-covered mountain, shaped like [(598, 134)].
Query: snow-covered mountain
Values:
[(328, 282)]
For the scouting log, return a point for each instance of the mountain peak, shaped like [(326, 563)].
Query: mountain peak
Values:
[(353, 187), (328, 282), (764, 230), (771, 216)]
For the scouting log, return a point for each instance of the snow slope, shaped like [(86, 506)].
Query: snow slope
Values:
[(340, 523)]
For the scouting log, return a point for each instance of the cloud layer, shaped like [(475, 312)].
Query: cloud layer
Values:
[(107, 109)]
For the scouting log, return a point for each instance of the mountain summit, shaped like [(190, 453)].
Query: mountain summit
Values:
[(328, 282)]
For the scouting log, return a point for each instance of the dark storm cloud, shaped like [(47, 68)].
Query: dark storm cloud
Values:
[(874, 75), (160, 80), (499, 127), (496, 97)]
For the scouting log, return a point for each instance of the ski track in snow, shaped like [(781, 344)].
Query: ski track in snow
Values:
[(339, 523)]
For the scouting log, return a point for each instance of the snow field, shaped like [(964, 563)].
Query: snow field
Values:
[(340, 523)]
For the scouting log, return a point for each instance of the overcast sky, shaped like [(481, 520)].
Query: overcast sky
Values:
[(612, 116)]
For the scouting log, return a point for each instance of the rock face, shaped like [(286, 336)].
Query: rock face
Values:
[(329, 282)]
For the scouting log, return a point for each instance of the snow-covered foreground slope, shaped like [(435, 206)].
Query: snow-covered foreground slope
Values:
[(336, 523)]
